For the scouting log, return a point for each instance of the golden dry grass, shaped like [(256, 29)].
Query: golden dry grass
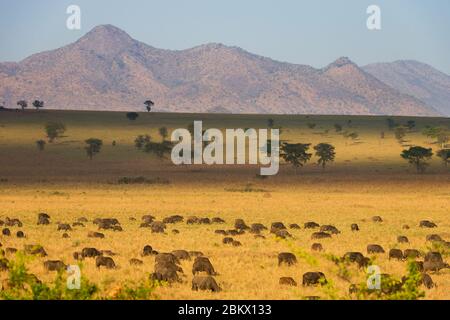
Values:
[(368, 179)]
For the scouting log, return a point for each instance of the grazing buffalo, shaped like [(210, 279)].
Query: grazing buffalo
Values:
[(90, 253), (54, 265), (311, 225), (356, 257), (135, 262), (257, 228), (427, 224), (283, 234), (4, 263), (375, 248), (64, 227), (106, 262), (35, 250), (427, 281), (236, 243), (13, 222), (166, 258), (314, 278), (173, 219), (277, 226), (411, 254), (93, 234), (377, 219), (158, 227), (192, 220), (195, 253), (287, 281), (434, 238), (43, 219), (78, 224), (202, 264), (286, 258), (396, 254), (217, 220), (205, 283), (181, 254), (227, 240), (148, 218), (433, 262), (239, 224), (204, 221), (108, 224), (330, 229), (402, 239), (320, 235)]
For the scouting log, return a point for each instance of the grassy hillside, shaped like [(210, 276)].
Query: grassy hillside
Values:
[(66, 159)]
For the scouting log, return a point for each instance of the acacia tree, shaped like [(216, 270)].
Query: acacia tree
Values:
[(23, 104), (418, 157), (295, 154), (148, 105), (325, 152), (38, 104), (444, 154), (93, 147), (54, 130)]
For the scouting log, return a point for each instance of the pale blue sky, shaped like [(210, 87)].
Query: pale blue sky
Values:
[(307, 32)]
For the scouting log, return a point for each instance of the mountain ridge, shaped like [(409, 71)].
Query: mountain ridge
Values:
[(106, 69), (417, 79)]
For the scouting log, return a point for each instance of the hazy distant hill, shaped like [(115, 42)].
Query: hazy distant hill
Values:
[(416, 79), (108, 70)]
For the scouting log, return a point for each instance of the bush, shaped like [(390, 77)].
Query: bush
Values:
[(392, 289), (93, 147), (142, 180), (25, 286), (141, 141), (142, 291), (132, 116)]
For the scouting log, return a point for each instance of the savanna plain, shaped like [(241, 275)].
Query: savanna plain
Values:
[(368, 178)]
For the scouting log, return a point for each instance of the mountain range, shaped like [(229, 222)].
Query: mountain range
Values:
[(106, 69)]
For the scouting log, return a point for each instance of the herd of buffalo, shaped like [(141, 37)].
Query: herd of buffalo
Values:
[(167, 264)]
